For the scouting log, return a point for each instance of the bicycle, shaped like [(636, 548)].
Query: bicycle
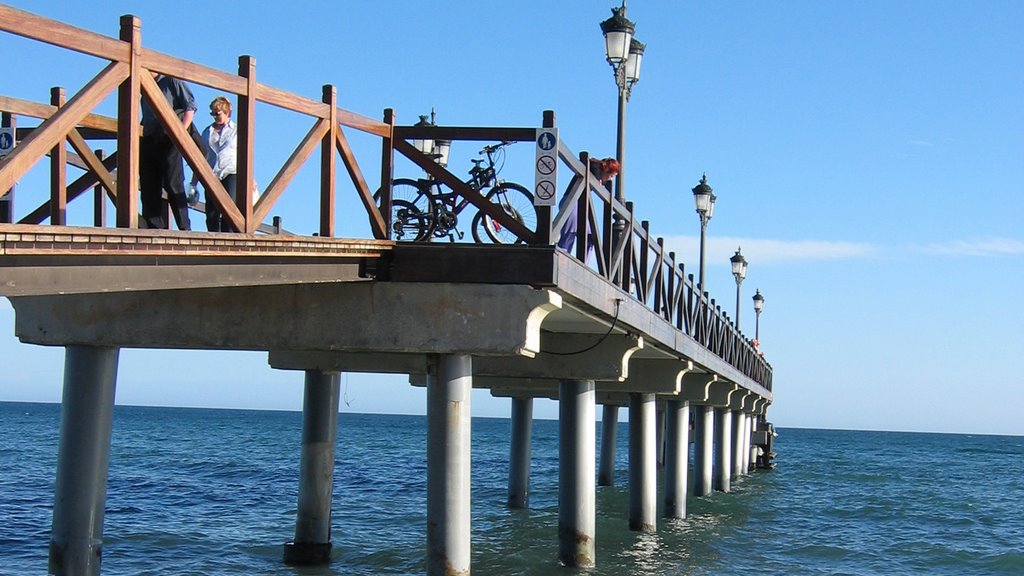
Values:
[(420, 209)]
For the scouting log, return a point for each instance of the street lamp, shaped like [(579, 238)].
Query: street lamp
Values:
[(704, 199), (436, 149), (624, 53), (739, 271), (758, 305)]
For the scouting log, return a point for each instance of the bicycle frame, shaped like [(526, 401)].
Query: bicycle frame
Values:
[(481, 178)]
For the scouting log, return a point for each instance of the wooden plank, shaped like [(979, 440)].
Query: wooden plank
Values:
[(75, 189), (291, 167), (582, 207), (466, 133), (58, 170), (362, 123), (476, 263), (44, 111), (52, 130), (29, 25), (329, 163), (99, 204), (387, 172), (91, 161), (571, 198), (192, 72), (129, 96), (289, 101), (245, 159)]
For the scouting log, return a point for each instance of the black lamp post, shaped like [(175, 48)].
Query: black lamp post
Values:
[(758, 305), (739, 271), (436, 149), (704, 199), (624, 54)]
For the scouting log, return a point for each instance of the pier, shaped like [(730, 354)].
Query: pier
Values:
[(623, 327)]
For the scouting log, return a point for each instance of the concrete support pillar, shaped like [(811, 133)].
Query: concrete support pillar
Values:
[(449, 382), (737, 445), (745, 453), (312, 544), (643, 471), (659, 436), (519, 453), (752, 464), (677, 455), (576, 490), (609, 429), (703, 431), (723, 449), (83, 459)]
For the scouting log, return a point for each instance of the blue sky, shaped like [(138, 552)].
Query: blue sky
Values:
[(867, 156)]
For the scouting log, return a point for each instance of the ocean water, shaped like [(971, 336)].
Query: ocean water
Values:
[(195, 491)]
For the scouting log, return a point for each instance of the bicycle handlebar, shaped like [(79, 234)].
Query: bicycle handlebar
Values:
[(493, 147)]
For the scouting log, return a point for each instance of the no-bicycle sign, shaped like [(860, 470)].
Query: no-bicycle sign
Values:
[(546, 175)]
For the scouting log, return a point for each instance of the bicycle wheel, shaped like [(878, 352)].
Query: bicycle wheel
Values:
[(408, 223), (515, 201), (411, 219), (411, 191)]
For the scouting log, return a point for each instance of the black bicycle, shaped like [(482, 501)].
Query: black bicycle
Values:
[(421, 209)]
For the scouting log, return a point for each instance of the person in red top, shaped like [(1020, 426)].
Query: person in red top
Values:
[(604, 170)]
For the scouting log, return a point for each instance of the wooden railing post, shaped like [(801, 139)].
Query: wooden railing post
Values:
[(99, 200), (387, 171), (544, 212), (626, 251), (328, 163), (583, 211), (7, 196), (58, 170), (245, 179), (128, 102)]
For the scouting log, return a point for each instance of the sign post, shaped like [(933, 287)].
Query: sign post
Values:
[(545, 183)]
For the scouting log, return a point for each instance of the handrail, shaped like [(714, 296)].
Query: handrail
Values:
[(641, 266), (627, 254), (131, 66)]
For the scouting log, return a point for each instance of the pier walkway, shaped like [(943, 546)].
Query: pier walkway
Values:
[(624, 327)]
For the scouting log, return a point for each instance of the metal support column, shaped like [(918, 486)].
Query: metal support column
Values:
[(576, 491), (519, 453), (83, 460), (449, 382), (723, 449), (312, 544), (609, 429), (643, 471), (703, 428), (677, 455)]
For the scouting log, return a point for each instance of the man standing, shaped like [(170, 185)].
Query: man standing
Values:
[(160, 163)]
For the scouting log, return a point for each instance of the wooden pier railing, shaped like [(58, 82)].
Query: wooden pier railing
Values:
[(130, 69), (624, 253)]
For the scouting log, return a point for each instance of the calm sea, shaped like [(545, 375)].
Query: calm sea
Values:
[(213, 492)]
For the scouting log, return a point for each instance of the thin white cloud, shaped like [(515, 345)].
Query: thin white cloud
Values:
[(720, 249), (763, 251), (987, 247)]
